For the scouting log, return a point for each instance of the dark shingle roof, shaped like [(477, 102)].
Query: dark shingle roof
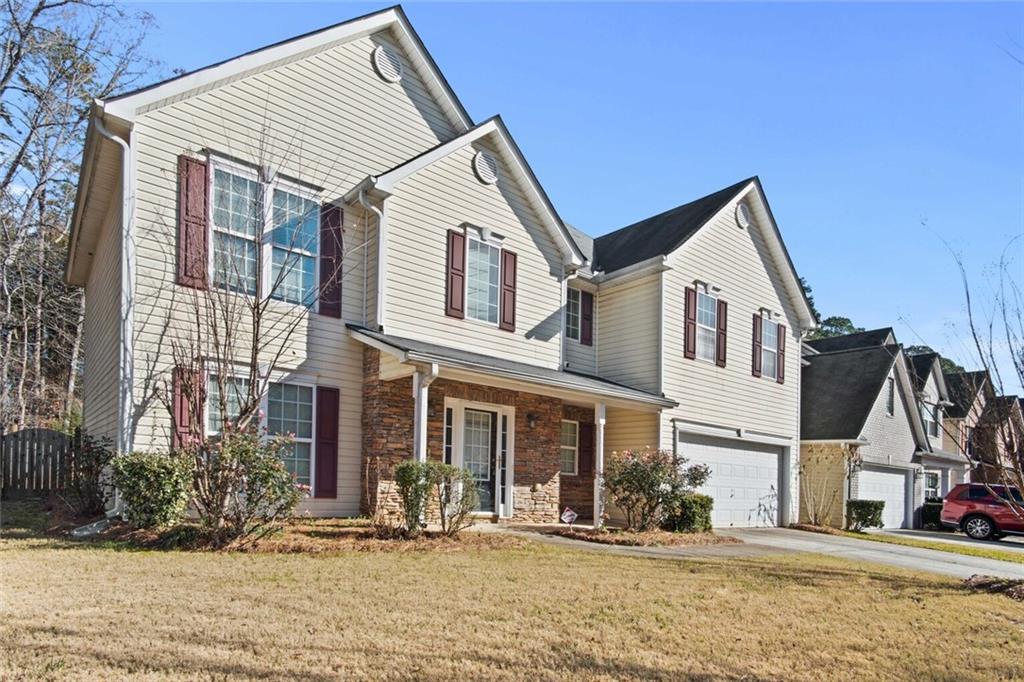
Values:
[(838, 390), (873, 337), (659, 235), (921, 367), (963, 388)]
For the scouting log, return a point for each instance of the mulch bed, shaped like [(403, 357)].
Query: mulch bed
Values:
[(1014, 589), (651, 538), (824, 530)]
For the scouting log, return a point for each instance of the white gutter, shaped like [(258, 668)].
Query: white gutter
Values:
[(645, 267), (839, 441), (126, 365), (382, 261)]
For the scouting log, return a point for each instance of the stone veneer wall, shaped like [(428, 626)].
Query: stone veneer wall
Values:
[(577, 491), (388, 438)]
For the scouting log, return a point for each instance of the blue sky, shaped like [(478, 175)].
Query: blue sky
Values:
[(885, 135)]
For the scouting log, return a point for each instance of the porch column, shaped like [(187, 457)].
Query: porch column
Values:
[(599, 418), (421, 380)]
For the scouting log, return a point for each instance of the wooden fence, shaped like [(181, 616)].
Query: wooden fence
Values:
[(34, 461)]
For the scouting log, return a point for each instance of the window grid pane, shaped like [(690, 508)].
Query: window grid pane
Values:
[(290, 411), (237, 389), (482, 281), (295, 235), (569, 447), (234, 263), (707, 326), (572, 315), (769, 348), (476, 448)]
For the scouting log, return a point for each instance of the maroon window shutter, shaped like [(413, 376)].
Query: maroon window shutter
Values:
[(780, 370), (326, 468), (756, 366), (586, 449), (720, 334), (330, 260), (690, 325), (455, 300), (193, 212), (186, 412), (586, 318), (507, 311)]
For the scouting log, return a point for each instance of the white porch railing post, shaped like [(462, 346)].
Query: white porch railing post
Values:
[(421, 380), (599, 419)]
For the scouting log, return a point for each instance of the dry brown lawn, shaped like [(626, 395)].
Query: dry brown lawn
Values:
[(523, 611)]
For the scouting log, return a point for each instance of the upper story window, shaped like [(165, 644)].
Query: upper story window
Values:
[(890, 396), (482, 283), (769, 348), (707, 325), (239, 221), (932, 417), (572, 314), (569, 450)]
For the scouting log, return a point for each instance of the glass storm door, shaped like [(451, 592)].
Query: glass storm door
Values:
[(479, 437)]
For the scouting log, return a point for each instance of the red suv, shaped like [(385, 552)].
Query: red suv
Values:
[(970, 507)]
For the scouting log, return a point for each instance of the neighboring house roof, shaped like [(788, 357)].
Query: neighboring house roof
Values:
[(964, 388), (838, 390), (921, 366), (414, 350), (873, 337), (493, 129), (666, 232), (583, 240)]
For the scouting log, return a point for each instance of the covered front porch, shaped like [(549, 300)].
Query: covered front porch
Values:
[(534, 438)]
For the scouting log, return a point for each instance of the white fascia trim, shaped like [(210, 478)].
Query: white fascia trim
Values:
[(632, 272), (399, 355), (910, 399), (839, 441), (682, 426), (386, 182), (129, 107), (84, 183)]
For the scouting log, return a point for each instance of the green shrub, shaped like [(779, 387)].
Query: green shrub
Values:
[(930, 513), (154, 487), (861, 514), (413, 481), (689, 513), (642, 483), (456, 493)]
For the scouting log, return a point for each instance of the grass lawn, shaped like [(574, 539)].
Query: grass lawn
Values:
[(80, 611), (965, 549)]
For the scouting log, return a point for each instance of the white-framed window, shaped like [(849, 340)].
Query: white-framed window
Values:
[(931, 416), (936, 421), (569, 449), (890, 396), (769, 349), (707, 325), (235, 388), (932, 484), (572, 314), (256, 223), (290, 412), (482, 279)]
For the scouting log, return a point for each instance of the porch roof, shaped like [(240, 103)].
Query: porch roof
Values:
[(415, 351)]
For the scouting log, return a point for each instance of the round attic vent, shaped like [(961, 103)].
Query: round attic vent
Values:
[(742, 215), (387, 63), (486, 168)]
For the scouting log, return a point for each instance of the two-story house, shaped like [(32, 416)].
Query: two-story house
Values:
[(872, 429), (969, 393), (436, 304)]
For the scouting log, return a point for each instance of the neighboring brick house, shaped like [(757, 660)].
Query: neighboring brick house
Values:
[(863, 433), (443, 309), (998, 442)]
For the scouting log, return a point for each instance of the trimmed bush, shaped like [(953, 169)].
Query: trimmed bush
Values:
[(457, 496), (155, 487), (643, 483), (930, 513), (861, 514), (413, 481), (689, 513)]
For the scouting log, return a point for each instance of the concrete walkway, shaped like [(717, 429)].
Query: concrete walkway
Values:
[(914, 558)]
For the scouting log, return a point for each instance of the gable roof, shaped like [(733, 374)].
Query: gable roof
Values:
[(838, 390), (129, 104), (873, 337), (963, 390), (922, 365), (662, 234), (493, 128)]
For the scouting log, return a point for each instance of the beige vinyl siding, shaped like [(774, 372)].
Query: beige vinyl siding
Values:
[(101, 335), (737, 261), (445, 196), (930, 396), (823, 483), (890, 438), (627, 351), (629, 430), (326, 120), (579, 357)]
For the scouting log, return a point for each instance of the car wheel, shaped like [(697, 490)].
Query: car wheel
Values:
[(979, 527)]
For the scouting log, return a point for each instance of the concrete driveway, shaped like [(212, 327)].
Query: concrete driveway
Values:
[(1010, 543), (929, 560)]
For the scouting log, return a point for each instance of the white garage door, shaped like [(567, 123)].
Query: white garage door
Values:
[(744, 480), (890, 487)]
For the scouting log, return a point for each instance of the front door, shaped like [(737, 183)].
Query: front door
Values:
[(479, 446)]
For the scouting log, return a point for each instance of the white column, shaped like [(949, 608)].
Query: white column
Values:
[(599, 419), (421, 380)]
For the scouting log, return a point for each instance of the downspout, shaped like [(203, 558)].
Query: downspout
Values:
[(382, 226), (126, 366)]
